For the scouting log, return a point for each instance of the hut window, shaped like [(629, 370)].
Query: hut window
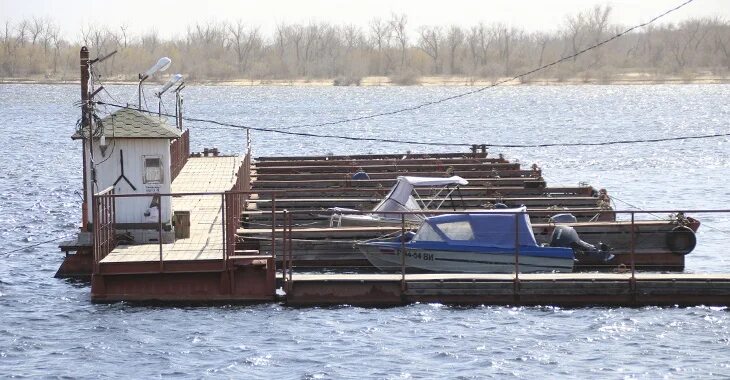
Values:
[(152, 170)]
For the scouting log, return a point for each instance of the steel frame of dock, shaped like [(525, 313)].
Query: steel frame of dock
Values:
[(226, 272), (569, 290)]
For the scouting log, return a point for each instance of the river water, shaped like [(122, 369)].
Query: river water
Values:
[(49, 328)]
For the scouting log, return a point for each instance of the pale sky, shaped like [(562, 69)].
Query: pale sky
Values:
[(170, 17)]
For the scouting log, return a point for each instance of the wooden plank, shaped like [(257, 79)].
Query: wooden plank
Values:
[(395, 168), (427, 172), (384, 162), (506, 191), (283, 185), (459, 202), (393, 156)]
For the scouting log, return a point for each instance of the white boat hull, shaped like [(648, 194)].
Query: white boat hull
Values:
[(389, 260)]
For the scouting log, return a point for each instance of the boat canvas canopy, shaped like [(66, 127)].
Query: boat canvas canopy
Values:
[(400, 197), (495, 229)]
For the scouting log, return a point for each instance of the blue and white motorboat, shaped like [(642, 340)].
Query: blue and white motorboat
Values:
[(479, 243)]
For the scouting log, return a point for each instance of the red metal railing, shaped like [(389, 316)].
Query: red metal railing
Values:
[(104, 210), (287, 250), (235, 201), (179, 153)]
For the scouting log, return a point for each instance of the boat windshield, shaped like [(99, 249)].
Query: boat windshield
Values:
[(460, 230), (427, 233)]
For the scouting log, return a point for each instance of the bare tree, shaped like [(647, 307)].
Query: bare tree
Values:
[(22, 31), (454, 39), (244, 41), (429, 42), (398, 27), (35, 29), (479, 42), (380, 37), (575, 33), (215, 50), (597, 24), (124, 34)]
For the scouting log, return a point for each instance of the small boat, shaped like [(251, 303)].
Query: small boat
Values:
[(481, 243), (403, 196)]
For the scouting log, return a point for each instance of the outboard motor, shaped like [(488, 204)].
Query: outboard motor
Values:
[(585, 253)]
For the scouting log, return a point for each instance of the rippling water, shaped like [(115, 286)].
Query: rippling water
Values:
[(48, 327)]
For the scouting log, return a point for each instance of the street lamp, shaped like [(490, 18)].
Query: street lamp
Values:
[(178, 105), (161, 65), (175, 78)]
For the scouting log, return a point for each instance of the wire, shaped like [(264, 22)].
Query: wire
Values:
[(97, 77), (37, 244), (543, 67), (498, 83), (144, 98), (413, 142)]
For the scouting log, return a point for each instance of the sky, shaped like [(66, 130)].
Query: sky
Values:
[(170, 17)]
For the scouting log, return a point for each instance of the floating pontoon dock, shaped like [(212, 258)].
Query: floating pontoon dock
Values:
[(171, 227), (566, 289)]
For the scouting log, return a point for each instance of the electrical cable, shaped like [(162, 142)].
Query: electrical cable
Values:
[(498, 83), (413, 142), (543, 67)]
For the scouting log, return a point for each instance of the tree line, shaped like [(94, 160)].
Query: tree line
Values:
[(211, 51)]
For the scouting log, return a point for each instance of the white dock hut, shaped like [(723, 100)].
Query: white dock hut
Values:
[(130, 150)]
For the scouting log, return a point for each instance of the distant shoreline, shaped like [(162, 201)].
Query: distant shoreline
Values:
[(426, 81)]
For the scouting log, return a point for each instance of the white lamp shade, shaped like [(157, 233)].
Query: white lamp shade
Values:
[(161, 65), (174, 79)]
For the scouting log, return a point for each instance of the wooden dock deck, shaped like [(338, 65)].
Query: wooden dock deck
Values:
[(199, 175)]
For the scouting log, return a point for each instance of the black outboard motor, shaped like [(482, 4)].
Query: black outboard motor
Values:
[(585, 253)]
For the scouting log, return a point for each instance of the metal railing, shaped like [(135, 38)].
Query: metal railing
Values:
[(179, 153), (630, 229), (104, 214), (283, 225)]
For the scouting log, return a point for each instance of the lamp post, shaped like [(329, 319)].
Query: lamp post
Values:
[(179, 105), (175, 78), (161, 65)]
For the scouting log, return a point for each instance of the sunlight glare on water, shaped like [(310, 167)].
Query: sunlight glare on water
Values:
[(49, 328)]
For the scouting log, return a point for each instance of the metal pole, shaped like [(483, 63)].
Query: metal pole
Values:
[(632, 281), (224, 222), (139, 91), (403, 252), (517, 253), (273, 227), (291, 249), (159, 235), (85, 73), (284, 258)]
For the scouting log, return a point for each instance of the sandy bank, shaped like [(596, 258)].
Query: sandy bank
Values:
[(624, 79)]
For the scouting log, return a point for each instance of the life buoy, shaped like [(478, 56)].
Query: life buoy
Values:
[(681, 240)]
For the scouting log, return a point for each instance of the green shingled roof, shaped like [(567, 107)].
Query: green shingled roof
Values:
[(132, 124)]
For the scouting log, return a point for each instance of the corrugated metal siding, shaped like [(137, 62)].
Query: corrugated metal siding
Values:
[(131, 210)]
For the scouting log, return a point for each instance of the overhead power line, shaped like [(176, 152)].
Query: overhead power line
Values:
[(413, 142), (495, 84), (286, 131)]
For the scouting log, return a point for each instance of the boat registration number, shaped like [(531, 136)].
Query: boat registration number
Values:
[(420, 255)]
